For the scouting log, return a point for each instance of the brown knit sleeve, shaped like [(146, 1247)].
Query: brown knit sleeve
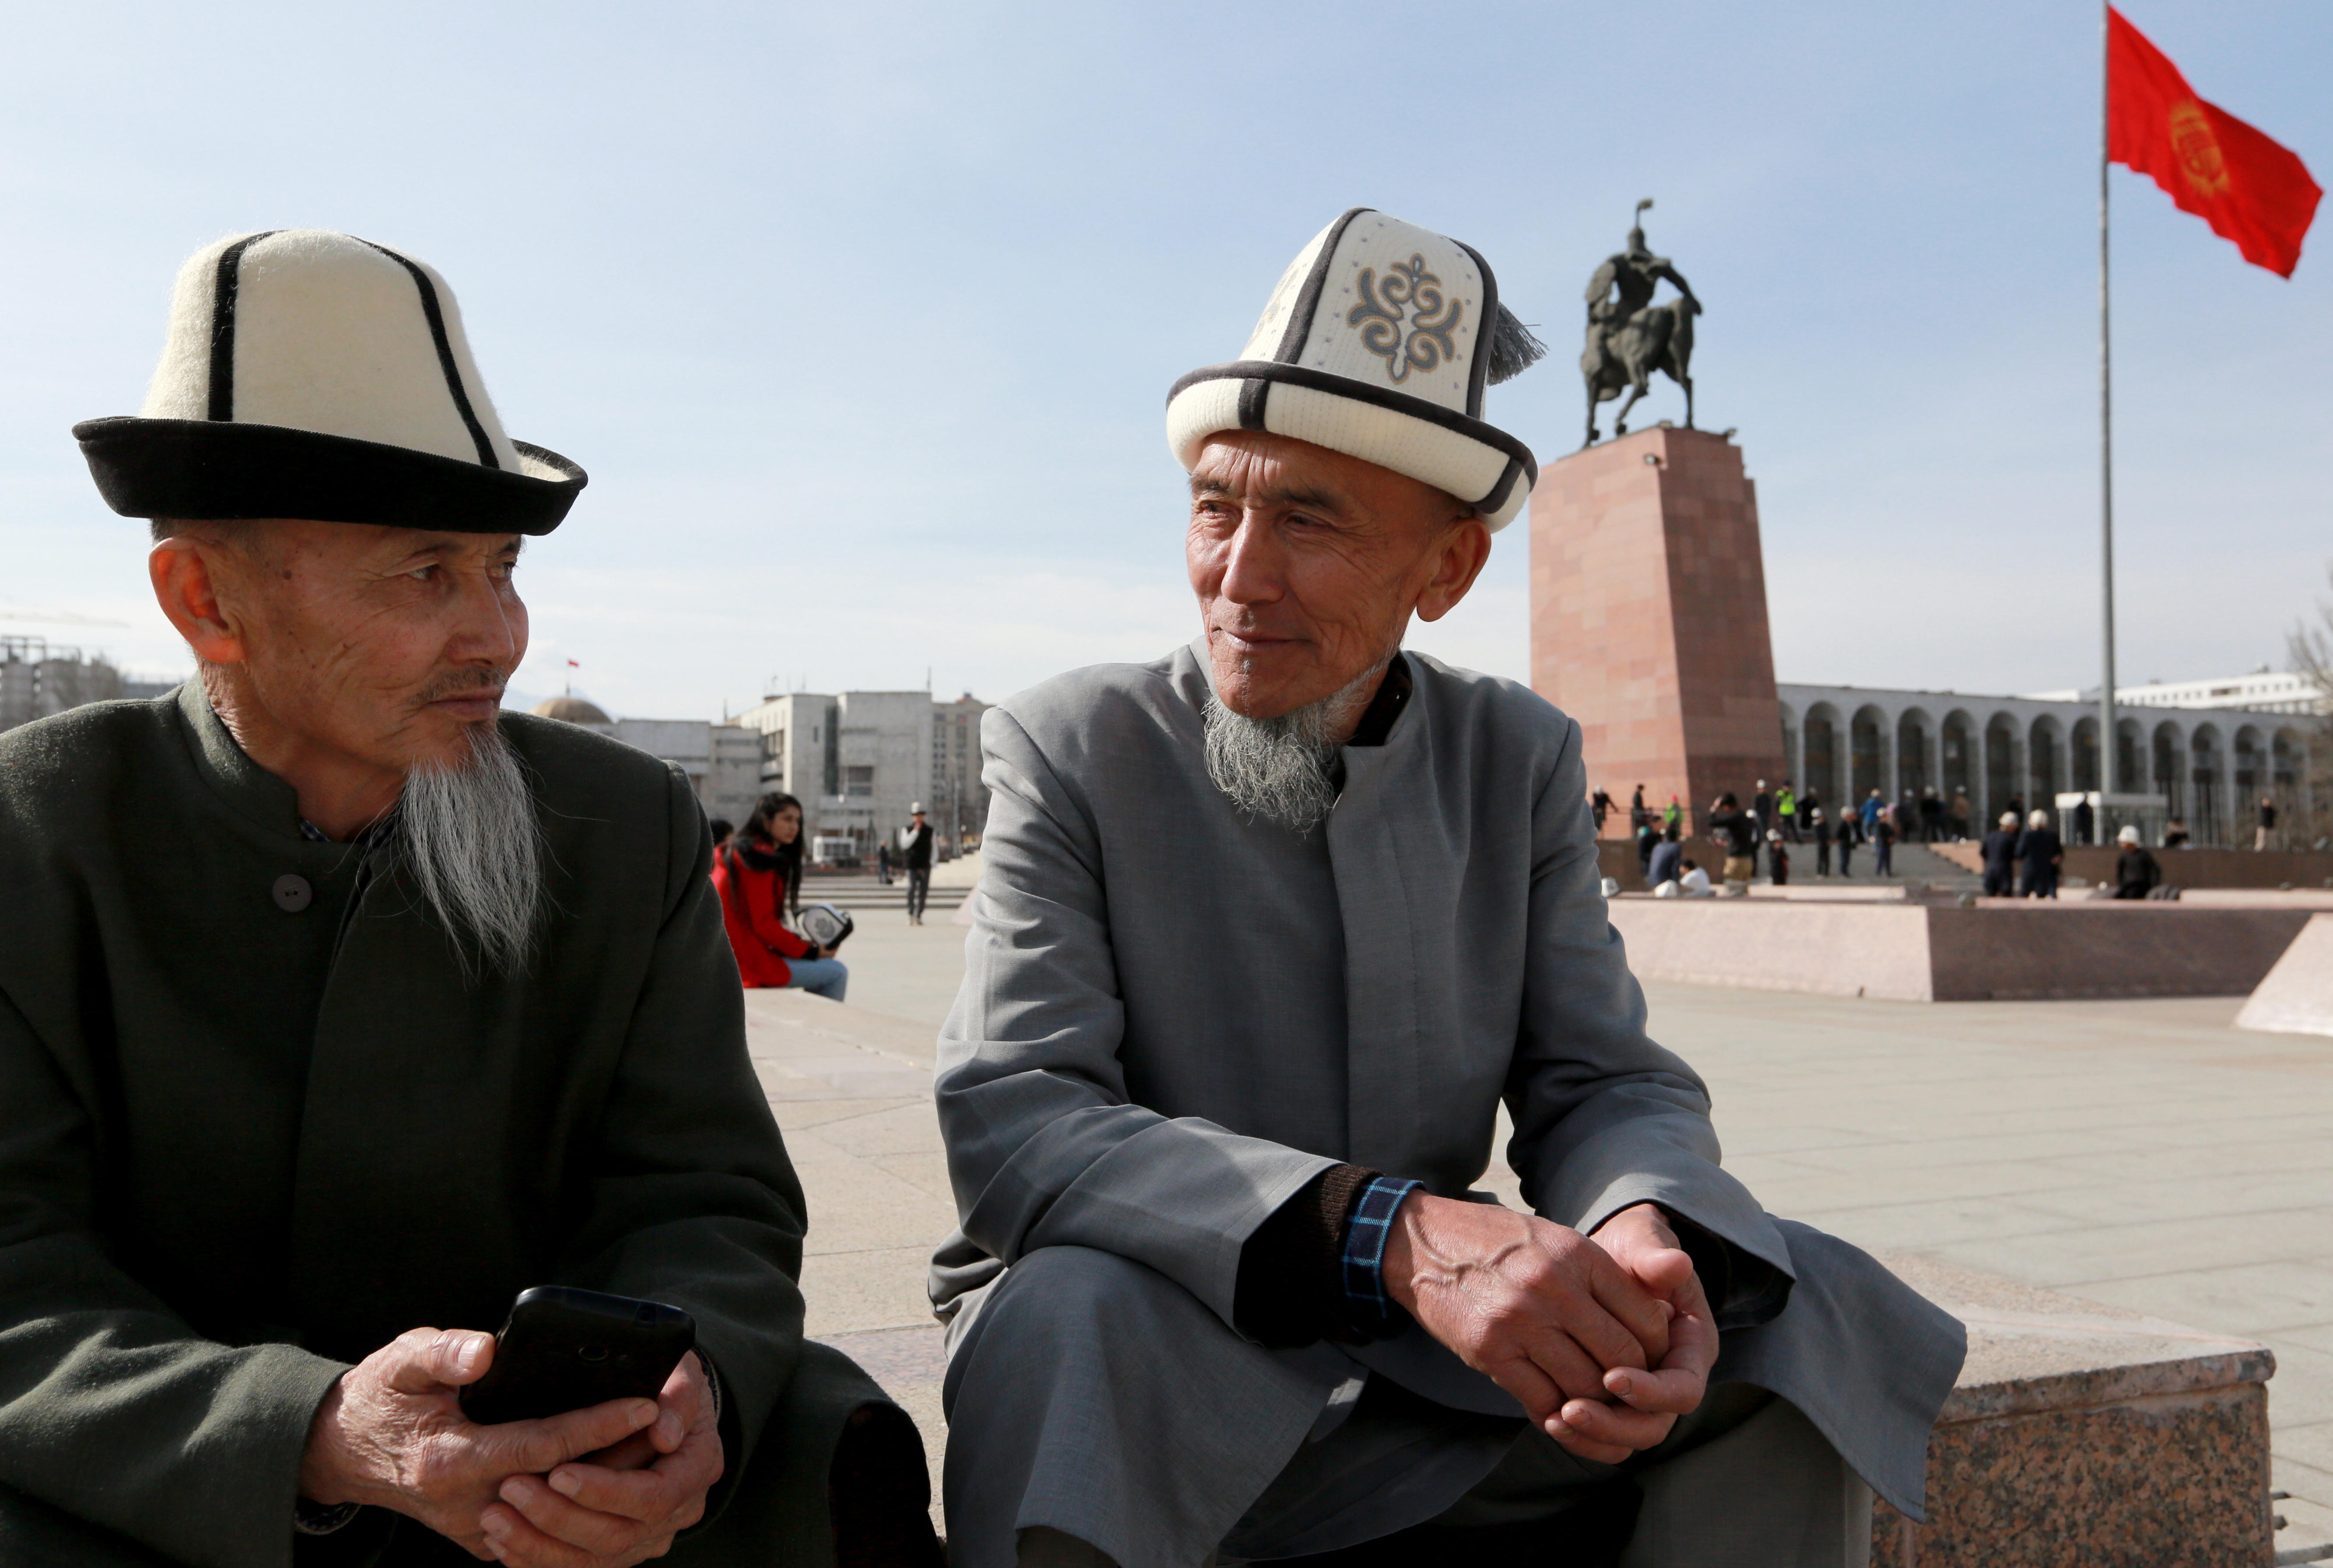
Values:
[(1291, 1288)]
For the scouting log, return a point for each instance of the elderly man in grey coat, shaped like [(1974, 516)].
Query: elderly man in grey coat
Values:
[(1269, 930)]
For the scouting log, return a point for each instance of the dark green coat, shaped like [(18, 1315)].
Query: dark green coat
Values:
[(240, 1149)]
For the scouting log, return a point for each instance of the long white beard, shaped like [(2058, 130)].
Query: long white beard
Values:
[(470, 838), (1282, 770)]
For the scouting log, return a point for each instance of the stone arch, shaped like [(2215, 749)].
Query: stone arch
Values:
[(2045, 766), (2005, 768), (1960, 755), (2081, 824), (1868, 755), (2289, 782), (2250, 764), (1915, 740), (2288, 752), (2166, 772), (2207, 778), (1824, 735), (2131, 775)]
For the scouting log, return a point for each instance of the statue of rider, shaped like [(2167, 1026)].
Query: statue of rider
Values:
[(1629, 337), (1634, 273)]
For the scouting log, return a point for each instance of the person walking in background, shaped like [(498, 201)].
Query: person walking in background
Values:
[(1673, 815), (1729, 825), (1648, 838), (2175, 834), (916, 854), (2000, 858), (1871, 813), (753, 875), (2084, 820), (1786, 812), (1882, 842), (1819, 826), (1963, 813), (883, 862), (1599, 805), (2264, 835), (1667, 857), (1637, 814), (1809, 804), (1777, 858), (1844, 831), (1932, 817), (2043, 853), (2137, 872)]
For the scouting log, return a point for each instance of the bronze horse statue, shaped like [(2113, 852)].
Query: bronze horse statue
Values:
[(1629, 337)]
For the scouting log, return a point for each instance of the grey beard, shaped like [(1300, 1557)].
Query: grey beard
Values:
[(1282, 770), (470, 838)]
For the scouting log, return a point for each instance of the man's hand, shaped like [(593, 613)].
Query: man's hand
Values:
[(593, 1488), (391, 1433), (622, 1505), (1640, 1241), (1542, 1311)]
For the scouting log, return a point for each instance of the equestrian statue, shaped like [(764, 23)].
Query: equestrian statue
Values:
[(1629, 337)]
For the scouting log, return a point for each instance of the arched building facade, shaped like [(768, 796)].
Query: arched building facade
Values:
[(2212, 764)]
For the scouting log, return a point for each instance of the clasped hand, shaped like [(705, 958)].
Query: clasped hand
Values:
[(1605, 1342), (602, 1487)]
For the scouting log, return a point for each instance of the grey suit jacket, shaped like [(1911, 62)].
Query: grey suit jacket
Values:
[(1174, 1016)]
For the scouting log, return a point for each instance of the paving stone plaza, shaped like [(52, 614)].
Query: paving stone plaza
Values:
[(2143, 1154)]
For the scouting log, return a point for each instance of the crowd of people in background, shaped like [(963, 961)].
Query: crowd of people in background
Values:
[(2023, 853)]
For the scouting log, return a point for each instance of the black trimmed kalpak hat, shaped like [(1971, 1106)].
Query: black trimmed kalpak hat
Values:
[(315, 374), (1378, 343)]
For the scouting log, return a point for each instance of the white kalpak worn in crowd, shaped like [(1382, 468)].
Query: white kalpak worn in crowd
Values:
[(1267, 930)]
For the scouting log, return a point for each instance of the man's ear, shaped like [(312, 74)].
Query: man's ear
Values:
[(1465, 545), (184, 574)]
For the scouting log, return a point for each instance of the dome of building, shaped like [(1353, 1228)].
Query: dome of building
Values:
[(573, 709)]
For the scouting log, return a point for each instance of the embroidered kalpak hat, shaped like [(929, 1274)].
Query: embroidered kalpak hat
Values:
[(1378, 343), (315, 374)]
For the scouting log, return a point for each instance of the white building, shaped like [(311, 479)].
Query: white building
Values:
[(2211, 765), (859, 761), (2264, 691), (722, 762)]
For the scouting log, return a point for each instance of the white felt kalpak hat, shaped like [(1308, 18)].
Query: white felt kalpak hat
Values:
[(1377, 344), (315, 374)]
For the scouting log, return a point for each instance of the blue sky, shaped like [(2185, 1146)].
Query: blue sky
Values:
[(862, 317)]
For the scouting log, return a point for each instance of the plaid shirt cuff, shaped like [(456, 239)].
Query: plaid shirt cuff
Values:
[(1369, 1311)]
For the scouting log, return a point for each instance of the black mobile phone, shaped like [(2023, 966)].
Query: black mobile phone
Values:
[(563, 1349)]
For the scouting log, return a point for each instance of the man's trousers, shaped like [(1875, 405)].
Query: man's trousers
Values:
[(919, 888), (1064, 1424)]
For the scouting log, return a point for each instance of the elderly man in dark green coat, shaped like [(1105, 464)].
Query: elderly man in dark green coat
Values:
[(337, 1007)]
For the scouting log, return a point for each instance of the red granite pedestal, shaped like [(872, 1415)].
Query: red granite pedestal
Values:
[(1649, 617)]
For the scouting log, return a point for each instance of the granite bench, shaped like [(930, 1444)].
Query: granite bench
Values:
[(2085, 1434)]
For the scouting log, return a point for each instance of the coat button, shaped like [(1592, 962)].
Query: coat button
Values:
[(292, 893)]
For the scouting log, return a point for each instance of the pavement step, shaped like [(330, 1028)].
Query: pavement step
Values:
[(1918, 863)]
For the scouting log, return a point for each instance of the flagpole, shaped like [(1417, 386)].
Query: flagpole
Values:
[(2109, 743)]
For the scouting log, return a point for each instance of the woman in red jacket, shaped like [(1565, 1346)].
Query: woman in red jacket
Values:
[(753, 873)]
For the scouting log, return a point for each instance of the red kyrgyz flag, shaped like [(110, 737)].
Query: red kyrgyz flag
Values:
[(2251, 190)]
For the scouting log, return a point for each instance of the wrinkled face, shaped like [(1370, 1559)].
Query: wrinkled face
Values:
[(1308, 565), (388, 646)]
